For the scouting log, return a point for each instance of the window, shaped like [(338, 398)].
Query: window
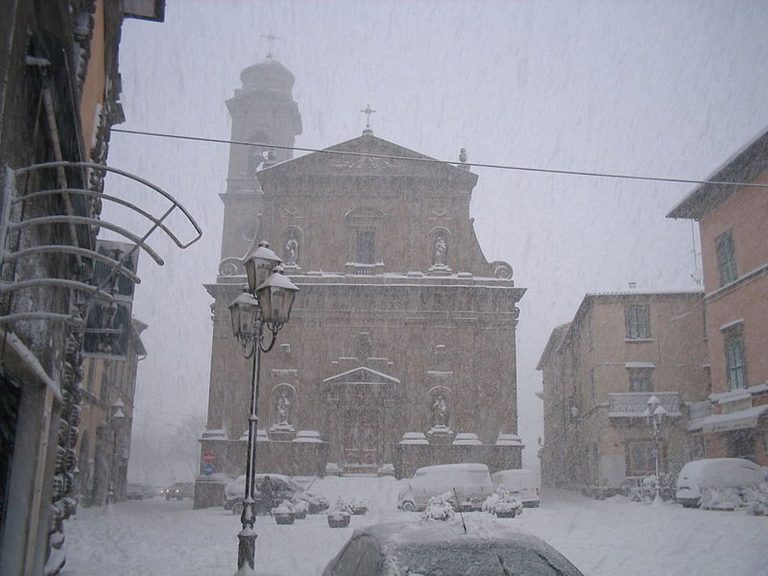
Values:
[(638, 320), (364, 247), (726, 259), (735, 362), (641, 457), (741, 444), (641, 379)]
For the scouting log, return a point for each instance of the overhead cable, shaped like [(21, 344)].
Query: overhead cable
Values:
[(427, 160)]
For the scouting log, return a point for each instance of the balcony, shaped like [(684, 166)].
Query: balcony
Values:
[(634, 404)]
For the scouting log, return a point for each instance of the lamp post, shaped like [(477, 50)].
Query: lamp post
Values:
[(116, 414), (265, 303), (654, 416)]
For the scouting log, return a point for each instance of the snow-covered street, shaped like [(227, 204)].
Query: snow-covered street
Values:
[(160, 538)]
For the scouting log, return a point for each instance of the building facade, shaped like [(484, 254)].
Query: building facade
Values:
[(599, 373), (103, 446), (734, 248), (59, 98), (400, 351)]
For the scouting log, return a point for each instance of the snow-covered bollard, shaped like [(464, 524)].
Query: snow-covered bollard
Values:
[(439, 508), (284, 513)]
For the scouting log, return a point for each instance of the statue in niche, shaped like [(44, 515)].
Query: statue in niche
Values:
[(439, 251), (439, 412), (283, 410), (291, 254)]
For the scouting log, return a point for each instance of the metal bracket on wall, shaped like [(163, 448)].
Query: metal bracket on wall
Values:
[(138, 241)]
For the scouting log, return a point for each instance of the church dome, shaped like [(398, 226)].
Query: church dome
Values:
[(268, 75)]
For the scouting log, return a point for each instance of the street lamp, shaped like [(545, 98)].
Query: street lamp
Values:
[(266, 302), (116, 414), (654, 416)]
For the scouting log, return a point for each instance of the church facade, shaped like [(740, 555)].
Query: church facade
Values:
[(400, 351)]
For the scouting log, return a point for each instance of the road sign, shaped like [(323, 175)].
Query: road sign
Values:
[(209, 457), (207, 469)]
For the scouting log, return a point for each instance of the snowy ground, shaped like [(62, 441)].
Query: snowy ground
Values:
[(159, 538)]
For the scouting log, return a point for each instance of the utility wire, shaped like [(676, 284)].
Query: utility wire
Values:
[(436, 161)]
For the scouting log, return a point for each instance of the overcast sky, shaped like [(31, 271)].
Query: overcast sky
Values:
[(666, 88)]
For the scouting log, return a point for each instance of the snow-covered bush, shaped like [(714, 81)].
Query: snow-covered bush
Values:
[(358, 506), (343, 505), (316, 502), (300, 507), (503, 503), (439, 508), (757, 500)]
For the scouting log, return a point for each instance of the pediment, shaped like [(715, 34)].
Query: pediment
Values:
[(365, 156), (361, 375)]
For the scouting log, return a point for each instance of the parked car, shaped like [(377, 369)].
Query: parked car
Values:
[(180, 490), (471, 483), (282, 488), (135, 492), (701, 478), (443, 548), (520, 482)]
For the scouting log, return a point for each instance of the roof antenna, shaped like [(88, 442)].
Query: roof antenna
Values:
[(458, 507)]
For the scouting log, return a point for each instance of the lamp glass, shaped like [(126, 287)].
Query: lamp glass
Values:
[(259, 264), (243, 312), (276, 296)]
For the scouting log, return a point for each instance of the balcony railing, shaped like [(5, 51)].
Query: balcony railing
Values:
[(634, 404)]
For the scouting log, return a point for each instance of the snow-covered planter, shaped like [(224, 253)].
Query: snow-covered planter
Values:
[(300, 508), (316, 502), (439, 508), (283, 514), (340, 515), (358, 506), (338, 519)]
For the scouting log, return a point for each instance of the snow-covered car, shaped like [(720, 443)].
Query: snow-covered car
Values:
[(470, 483), (134, 492), (431, 548), (702, 482), (180, 490), (282, 487), (520, 482)]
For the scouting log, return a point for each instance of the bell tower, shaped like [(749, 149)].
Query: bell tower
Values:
[(262, 111)]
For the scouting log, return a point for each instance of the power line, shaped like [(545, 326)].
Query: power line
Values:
[(436, 161)]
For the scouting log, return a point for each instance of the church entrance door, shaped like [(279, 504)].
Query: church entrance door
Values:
[(360, 439)]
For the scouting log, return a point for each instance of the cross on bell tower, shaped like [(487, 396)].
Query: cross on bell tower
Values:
[(270, 38), (368, 111)]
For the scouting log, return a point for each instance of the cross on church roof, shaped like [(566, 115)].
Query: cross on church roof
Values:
[(368, 111), (270, 38)]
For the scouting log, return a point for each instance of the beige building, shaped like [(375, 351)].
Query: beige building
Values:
[(107, 396), (599, 372), (734, 247), (401, 348)]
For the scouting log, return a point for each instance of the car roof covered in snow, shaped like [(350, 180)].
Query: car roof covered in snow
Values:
[(721, 472), (466, 467), (396, 534)]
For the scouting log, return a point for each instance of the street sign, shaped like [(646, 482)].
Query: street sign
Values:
[(207, 469), (209, 457)]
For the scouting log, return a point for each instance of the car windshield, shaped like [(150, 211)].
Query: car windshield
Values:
[(481, 559)]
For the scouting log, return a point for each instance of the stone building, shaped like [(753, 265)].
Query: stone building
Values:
[(400, 351), (734, 247), (59, 98), (599, 372), (103, 446)]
